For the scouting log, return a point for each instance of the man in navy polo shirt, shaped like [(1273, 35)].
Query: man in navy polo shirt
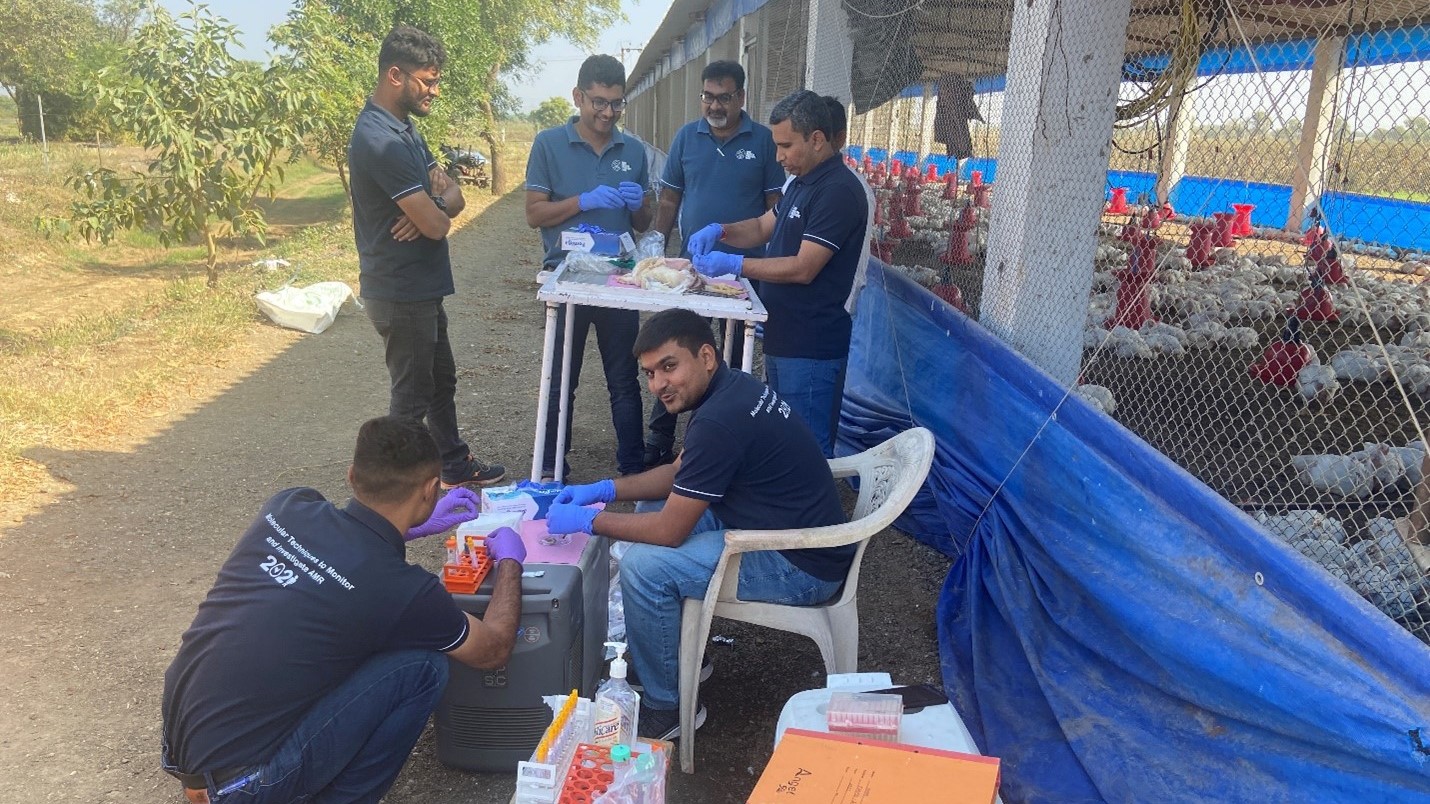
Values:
[(814, 238), (403, 205), (747, 463), (722, 168), (588, 171), (317, 657)]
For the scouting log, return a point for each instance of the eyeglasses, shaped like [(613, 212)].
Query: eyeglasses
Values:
[(723, 99), (601, 104), (428, 84)]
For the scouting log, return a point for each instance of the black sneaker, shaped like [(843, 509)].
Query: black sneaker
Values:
[(664, 724), (658, 456), (707, 669), (477, 474)]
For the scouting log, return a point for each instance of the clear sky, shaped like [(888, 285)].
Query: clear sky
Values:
[(555, 63)]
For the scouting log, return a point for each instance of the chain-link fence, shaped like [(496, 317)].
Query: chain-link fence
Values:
[(1255, 297)]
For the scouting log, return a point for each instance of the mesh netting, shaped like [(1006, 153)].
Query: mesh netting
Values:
[(1256, 303)]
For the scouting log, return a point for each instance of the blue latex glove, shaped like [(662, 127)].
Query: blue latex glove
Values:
[(504, 543), (602, 197), (633, 194), (569, 518), (459, 505), (602, 491), (718, 263), (700, 243)]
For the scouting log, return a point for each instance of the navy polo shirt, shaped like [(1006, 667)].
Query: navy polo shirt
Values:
[(309, 594), (389, 160), (827, 206), (563, 165), (722, 182), (759, 467)]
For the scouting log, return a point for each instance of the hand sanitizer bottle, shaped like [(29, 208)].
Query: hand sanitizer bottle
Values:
[(617, 705)]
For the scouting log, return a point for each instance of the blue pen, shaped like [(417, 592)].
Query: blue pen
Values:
[(236, 784)]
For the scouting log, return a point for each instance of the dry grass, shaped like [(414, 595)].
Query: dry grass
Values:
[(96, 343)]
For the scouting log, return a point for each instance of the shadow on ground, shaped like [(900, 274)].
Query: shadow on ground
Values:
[(97, 587)]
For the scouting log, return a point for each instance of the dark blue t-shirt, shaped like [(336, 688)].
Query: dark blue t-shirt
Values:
[(309, 594), (562, 165), (722, 182), (759, 467), (826, 206), (389, 160)]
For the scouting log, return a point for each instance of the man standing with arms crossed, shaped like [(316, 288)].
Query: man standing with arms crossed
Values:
[(403, 205), (815, 235), (589, 171), (722, 168)]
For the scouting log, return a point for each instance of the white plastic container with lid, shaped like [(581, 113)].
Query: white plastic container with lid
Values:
[(617, 705)]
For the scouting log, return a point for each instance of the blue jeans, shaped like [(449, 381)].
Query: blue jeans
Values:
[(656, 580), (615, 336), (353, 742), (422, 372), (814, 389)]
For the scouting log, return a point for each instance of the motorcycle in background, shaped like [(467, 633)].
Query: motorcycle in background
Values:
[(466, 165)]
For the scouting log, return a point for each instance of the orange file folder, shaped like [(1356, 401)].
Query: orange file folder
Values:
[(815, 768)]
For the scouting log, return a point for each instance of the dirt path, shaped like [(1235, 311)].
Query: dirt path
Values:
[(98, 585)]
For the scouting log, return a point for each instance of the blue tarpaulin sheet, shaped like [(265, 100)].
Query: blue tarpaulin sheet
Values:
[(1113, 629)]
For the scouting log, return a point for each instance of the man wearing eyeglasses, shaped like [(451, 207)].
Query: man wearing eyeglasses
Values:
[(589, 171), (721, 169), (403, 205)]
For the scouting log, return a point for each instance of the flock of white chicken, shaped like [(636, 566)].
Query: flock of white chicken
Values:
[(1379, 566), (1356, 475)]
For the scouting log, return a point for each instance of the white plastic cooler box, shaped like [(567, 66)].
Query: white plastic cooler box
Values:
[(489, 720)]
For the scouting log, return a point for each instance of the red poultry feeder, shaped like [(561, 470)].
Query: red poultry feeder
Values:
[(952, 295), (896, 168), (1151, 219), (950, 185), (1225, 227), (883, 250), (1241, 226), (1134, 304), (879, 218), (1201, 245), (1316, 303), (1282, 360), (890, 181), (1118, 204), (957, 252), (1313, 235), (913, 201), (975, 178), (981, 195), (932, 173), (1130, 231), (1328, 262), (1167, 211), (867, 163), (899, 228)]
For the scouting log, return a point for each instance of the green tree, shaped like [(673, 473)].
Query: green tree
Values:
[(553, 111), (218, 128), (329, 52), (485, 41)]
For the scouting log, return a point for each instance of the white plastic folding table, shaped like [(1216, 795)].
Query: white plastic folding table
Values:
[(579, 287)]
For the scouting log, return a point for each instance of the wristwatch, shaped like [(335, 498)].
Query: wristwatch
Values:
[(440, 202)]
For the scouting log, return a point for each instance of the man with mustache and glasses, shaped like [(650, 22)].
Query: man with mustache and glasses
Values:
[(589, 171), (403, 205), (721, 169)]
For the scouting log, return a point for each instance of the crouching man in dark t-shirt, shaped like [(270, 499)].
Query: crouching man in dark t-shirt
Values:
[(748, 462), (316, 659)]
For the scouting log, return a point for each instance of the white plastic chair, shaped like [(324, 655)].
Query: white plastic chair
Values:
[(889, 477)]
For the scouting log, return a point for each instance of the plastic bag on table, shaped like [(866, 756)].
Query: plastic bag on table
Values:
[(651, 244), (615, 609), (586, 262)]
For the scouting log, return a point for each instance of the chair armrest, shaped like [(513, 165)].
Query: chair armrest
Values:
[(747, 541), (847, 466)]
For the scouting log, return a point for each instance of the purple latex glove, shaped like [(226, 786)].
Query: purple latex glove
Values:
[(705, 239), (602, 197), (718, 263), (459, 505), (602, 491), (504, 543), (633, 194), (568, 518)]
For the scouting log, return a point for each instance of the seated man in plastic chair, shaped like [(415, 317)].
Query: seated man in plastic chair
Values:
[(747, 463)]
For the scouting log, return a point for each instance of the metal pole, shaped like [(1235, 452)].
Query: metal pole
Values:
[(44, 143)]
